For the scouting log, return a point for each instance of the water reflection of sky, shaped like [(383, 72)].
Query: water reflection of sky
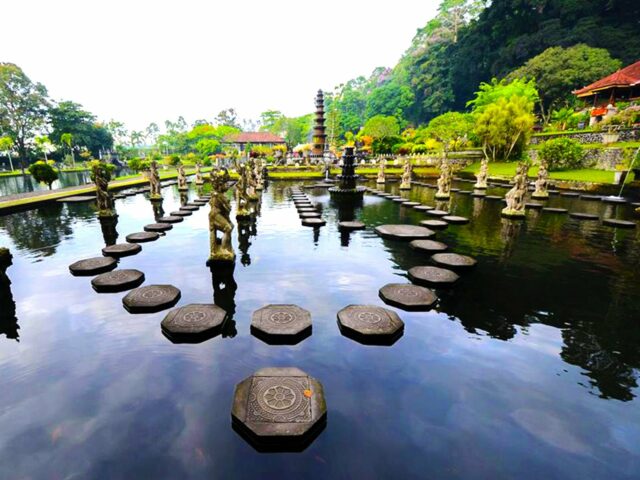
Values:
[(528, 368)]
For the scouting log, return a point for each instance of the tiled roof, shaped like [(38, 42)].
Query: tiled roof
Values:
[(253, 137), (626, 77)]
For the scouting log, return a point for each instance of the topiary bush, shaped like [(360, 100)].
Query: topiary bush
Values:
[(562, 154), (43, 172)]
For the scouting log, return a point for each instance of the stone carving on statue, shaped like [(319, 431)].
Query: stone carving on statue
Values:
[(182, 178), (444, 182), (154, 181), (251, 179), (219, 219), (258, 171), (542, 181), (482, 175), (515, 196), (381, 177), (199, 180), (242, 196), (101, 174), (405, 184)]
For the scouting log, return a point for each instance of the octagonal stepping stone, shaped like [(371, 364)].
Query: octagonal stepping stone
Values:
[(92, 266), (399, 200), (534, 205), (170, 219), (409, 204), (193, 323), (481, 194), (583, 216), (180, 213), (117, 281), (303, 204), (434, 224), (386, 195), (437, 213), (307, 209), (614, 222), (119, 196), (569, 194), (432, 276), (351, 225), (142, 237), (554, 210), (189, 208), (199, 203), (613, 199), (279, 409), (465, 192), (313, 222), (454, 190), (281, 324), (121, 250), (423, 208), (493, 197), (591, 197), (408, 296), (152, 298), (370, 324), (455, 219), (76, 199), (158, 227), (553, 192), (404, 232), (309, 215), (454, 260), (428, 246), (394, 197)]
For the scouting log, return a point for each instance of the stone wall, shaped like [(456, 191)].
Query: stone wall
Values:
[(599, 158), (625, 135)]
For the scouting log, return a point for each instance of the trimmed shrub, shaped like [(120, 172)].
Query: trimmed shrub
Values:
[(562, 154)]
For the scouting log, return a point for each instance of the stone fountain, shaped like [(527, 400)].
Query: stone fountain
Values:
[(347, 179)]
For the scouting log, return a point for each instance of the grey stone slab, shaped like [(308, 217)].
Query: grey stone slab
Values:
[(158, 227), (613, 199), (437, 213), (370, 324), (193, 323), (352, 225), (432, 276), (583, 216), (117, 280), (534, 205), (142, 237), (92, 266), (121, 250), (180, 213), (455, 219), (313, 222), (281, 324), (190, 208), (423, 208), (407, 296), (76, 199), (434, 224), (555, 210), (404, 232), (152, 298), (309, 215), (428, 246), (569, 194), (170, 219), (454, 260), (410, 204), (614, 222), (591, 197)]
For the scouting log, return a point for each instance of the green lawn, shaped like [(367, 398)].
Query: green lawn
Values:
[(508, 170)]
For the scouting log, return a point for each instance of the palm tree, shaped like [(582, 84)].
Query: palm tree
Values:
[(67, 139), (561, 117), (6, 145)]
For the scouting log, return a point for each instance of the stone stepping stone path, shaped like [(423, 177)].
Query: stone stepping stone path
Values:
[(281, 324), (410, 204), (555, 210), (553, 192), (454, 260), (399, 200), (428, 246), (434, 224), (313, 222), (142, 237), (569, 194), (432, 276), (423, 208), (158, 227), (190, 208), (119, 196), (309, 215), (121, 250), (92, 266), (199, 203), (370, 324), (591, 197), (614, 222), (171, 219), (583, 216), (404, 232), (613, 199), (117, 281), (193, 323), (150, 299), (465, 192), (408, 296), (493, 197), (437, 213), (306, 209), (533, 205), (76, 199), (455, 220), (279, 408), (479, 194), (351, 225), (180, 213), (395, 197)]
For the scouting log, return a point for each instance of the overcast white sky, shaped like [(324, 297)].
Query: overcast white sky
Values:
[(140, 61)]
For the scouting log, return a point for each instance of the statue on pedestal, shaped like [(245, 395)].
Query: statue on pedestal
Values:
[(258, 170), (154, 181), (182, 178), (444, 182), (381, 177), (101, 174), (515, 196), (542, 182), (219, 219), (242, 197), (199, 180), (482, 175), (251, 179), (405, 184)]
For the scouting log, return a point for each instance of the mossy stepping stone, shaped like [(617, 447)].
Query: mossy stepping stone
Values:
[(465, 192), (370, 324), (170, 219), (493, 197), (351, 225), (404, 232), (117, 281), (569, 194), (614, 222), (190, 208), (158, 227), (534, 205), (613, 199), (481, 194), (313, 222), (309, 215), (591, 197), (409, 204), (583, 216), (455, 220), (121, 250), (454, 260), (428, 246), (408, 296), (152, 298), (142, 237), (193, 323), (92, 266), (434, 224), (400, 200), (432, 276), (555, 210)]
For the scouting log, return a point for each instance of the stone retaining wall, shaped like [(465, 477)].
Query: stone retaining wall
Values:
[(599, 158), (624, 135)]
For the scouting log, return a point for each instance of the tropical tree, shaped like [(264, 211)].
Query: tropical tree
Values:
[(44, 145), (70, 117), (67, 140), (23, 107), (452, 129), (43, 172), (562, 117), (6, 145)]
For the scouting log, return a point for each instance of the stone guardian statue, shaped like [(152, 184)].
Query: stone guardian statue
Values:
[(444, 182), (182, 178), (515, 196), (405, 184), (219, 220), (101, 174), (542, 182), (482, 175)]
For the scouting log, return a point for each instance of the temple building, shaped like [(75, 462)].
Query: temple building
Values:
[(241, 140)]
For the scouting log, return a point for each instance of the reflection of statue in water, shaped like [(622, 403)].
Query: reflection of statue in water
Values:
[(444, 182), (8, 321), (154, 181), (405, 184), (109, 231), (224, 292), (184, 198), (219, 221), (381, 177), (541, 182), (509, 232), (242, 196), (515, 196), (158, 211), (199, 180), (101, 174), (182, 178), (482, 175), (244, 232)]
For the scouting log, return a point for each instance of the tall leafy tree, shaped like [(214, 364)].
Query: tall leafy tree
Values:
[(23, 107), (70, 117)]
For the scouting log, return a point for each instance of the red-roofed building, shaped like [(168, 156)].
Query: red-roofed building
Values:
[(242, 139), (622, 86)]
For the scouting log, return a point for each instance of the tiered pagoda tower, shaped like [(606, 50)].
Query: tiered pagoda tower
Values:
[(319, 135)]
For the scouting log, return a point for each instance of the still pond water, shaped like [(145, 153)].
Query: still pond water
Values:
[(527, 368)]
